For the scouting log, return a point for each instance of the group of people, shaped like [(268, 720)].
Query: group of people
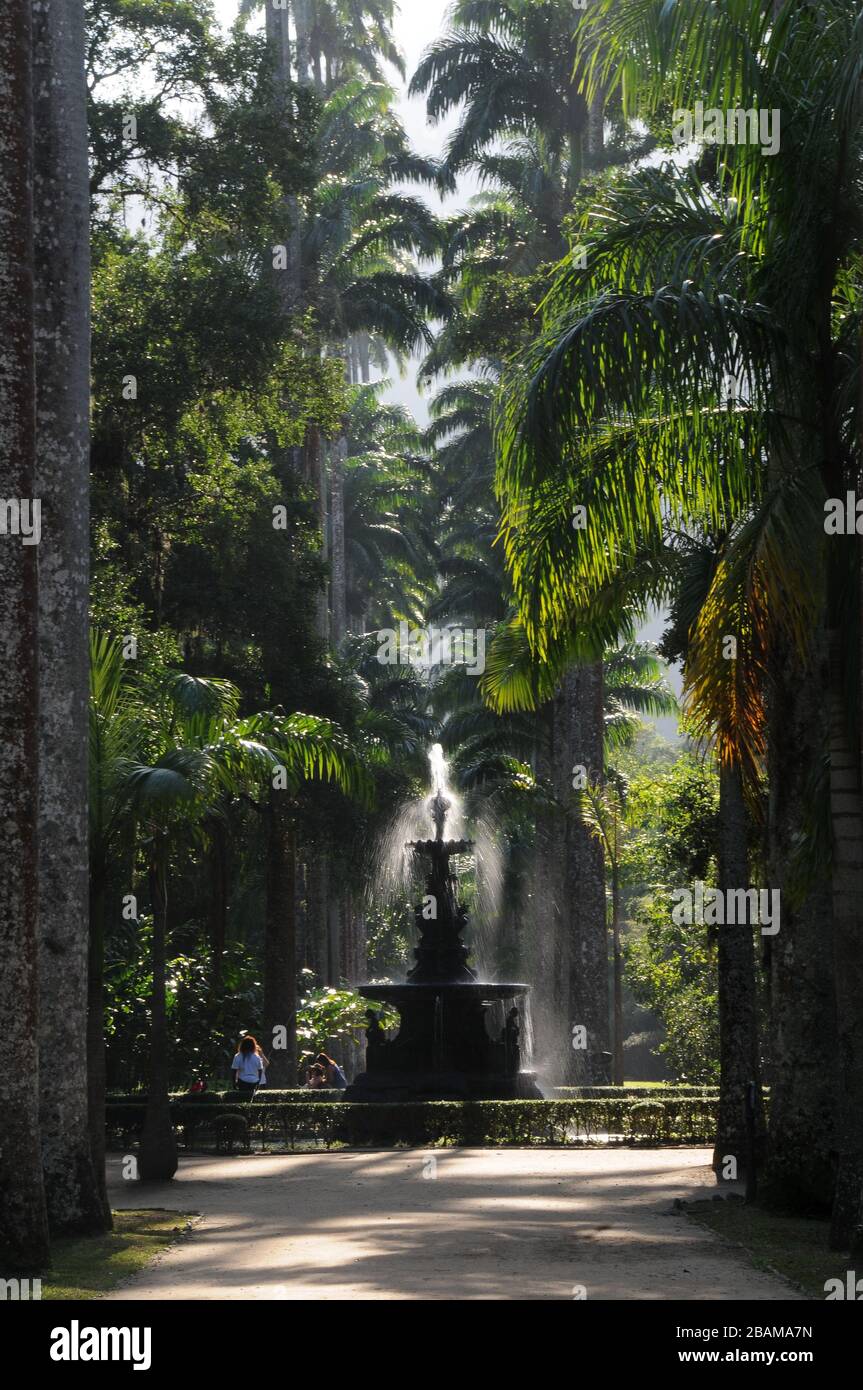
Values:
[(250, 1064)]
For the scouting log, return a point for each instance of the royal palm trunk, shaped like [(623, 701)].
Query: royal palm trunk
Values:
[(280, 945), (738, 995), (62, 297), (579, 727), (24, 1228), (158, 1159), (801, 1131), (96, 1067), (846, 813), (219, 896), (338, 580), (617, 1074)]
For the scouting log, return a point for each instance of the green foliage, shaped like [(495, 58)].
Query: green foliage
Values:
[(202, 1029), (674, 813), (671, 968), (326, 1015), (388, 938)]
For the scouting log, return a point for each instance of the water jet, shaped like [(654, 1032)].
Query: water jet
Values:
[(443, 1049)]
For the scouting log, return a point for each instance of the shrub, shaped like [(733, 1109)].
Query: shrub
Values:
[(618, 1119)]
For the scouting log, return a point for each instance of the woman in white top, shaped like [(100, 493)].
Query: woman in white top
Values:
[(248, 1066)]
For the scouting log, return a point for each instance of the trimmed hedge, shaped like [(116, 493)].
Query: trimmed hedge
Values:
[(663, 1092), (229, 1096), (438, 1123)]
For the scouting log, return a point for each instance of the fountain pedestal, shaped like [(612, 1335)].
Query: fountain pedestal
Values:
[(443, 1049)]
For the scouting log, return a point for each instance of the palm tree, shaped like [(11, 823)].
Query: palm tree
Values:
[(511, 65), (333, 39), (361, 235), (167, 748), (513, 685), (652, 333), (387, 514), (605, 475), (75, 1190), (25, 1226)]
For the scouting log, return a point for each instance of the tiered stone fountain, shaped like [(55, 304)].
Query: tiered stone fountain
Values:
[(443, 1049)]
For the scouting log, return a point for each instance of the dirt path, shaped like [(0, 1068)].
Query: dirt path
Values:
[(491, 1224)]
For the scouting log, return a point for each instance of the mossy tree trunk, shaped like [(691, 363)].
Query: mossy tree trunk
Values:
[(801, 1130), (62, 318), (96, 1070), (579, 714), (617, 1075), (158, 1145), (280, 945), (23, 1212), (738, 994), (846, 810)]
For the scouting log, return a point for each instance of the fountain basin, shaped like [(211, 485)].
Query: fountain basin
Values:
[(443, 1049), (448, 989)]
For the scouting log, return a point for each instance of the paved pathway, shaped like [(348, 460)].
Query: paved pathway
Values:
[(491, 1224)]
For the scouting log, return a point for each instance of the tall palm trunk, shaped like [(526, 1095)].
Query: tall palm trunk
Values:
[(96, 1069), (550, 940), (302, 29), (846, 811), (617, 1075), (62, 294), (738, 1001), (289, 281), (308, 936), (317, 916), (280, 944), (801, 1131), (22, 1192), (338, 575), (158, 1145), (316, 477), (364, 357), (219, 897), (579, 713)]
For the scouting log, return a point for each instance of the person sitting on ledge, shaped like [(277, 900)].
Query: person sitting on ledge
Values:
[(335, 1077)]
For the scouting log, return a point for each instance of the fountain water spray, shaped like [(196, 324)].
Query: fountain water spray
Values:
[(443, 1049)]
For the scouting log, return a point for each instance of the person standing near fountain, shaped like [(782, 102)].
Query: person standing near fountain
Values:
[(248, 1066)]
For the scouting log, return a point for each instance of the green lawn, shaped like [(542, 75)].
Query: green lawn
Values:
[(795, 1246), (87, 1266)]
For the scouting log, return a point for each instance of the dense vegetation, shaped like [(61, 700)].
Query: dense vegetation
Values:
[(643, 368)]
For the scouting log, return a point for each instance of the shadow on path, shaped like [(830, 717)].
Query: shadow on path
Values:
[(463, 1224)]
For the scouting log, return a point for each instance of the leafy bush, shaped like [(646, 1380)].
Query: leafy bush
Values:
[(326, 1015)]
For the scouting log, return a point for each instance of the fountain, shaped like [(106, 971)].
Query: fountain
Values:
[(443, 1049)]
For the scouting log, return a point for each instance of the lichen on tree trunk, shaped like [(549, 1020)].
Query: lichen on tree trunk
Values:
[(801, 1132), (738, 996), (75, 1192), (579, 729), (280, 945), (23, 1213)]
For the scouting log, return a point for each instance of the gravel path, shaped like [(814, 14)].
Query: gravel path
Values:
[(489, 1224)]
